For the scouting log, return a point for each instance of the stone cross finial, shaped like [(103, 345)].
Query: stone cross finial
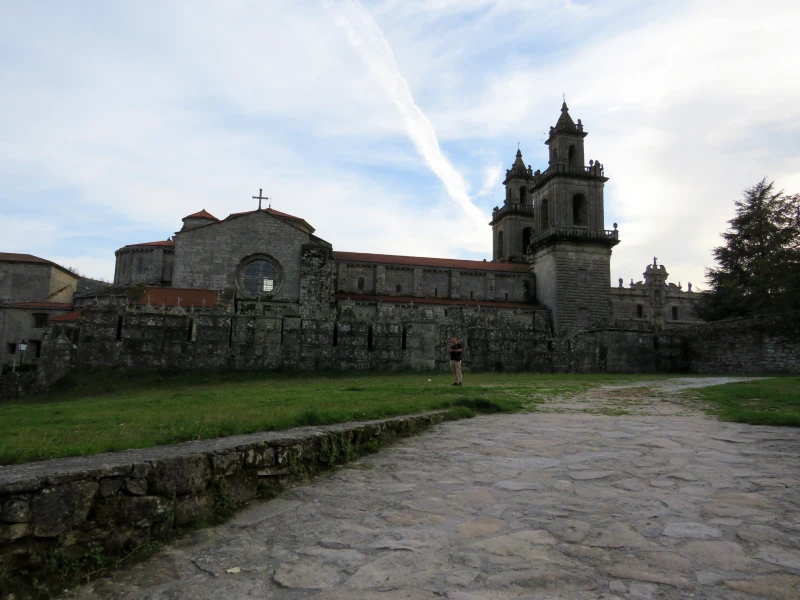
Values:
[(148, 299), (690, 286), (260, 197), (655, 261), (179, 300), (620, 282), (203, 303)]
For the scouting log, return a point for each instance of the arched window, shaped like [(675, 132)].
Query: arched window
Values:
[(580, 216), (545, 216), (398, 288), (572, 156), (500, 244), (526, 239), (523, 195), (361, 283)]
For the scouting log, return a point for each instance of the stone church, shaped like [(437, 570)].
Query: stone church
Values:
[(551, 252), (260, 290)]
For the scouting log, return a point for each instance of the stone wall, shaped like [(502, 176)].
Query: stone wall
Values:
[(120, 500), (748, 345), (17, 385)]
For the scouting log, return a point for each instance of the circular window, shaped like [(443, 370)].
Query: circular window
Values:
[(260, 276)]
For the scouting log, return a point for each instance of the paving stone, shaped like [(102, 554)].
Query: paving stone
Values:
[(777, 555), (691, 530), (493, 508)]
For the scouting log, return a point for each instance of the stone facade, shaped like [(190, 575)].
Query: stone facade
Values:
[(32, 291)]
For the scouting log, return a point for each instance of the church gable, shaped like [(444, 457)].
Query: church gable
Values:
[(256, 253)]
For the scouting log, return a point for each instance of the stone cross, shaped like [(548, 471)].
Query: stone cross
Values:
[(179, 300), (655, 261), (260, 197)]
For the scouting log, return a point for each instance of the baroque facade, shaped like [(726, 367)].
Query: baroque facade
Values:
[(259, 289)]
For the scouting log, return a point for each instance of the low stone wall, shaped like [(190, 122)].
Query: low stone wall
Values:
[(14, 386), (117, 501), (747, 345)]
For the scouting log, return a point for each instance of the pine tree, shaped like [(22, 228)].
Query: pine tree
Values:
[(758, 270)]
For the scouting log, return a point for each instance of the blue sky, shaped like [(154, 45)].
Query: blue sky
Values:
[(387, 125)]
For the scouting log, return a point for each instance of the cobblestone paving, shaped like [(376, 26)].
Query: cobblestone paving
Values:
[(664, 503)]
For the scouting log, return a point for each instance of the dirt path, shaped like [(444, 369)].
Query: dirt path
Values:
[(662, 503)]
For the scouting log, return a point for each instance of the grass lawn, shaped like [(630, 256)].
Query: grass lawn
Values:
[(764, 402), (104, 411)]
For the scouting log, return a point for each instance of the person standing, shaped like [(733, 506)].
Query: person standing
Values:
[(455, 361)]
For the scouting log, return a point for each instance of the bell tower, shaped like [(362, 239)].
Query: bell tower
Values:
[(571, 249), (513, 224)]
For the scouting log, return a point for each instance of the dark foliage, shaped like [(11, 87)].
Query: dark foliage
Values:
[(758, 268)]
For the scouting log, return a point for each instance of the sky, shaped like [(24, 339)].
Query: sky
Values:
[(388, 125)]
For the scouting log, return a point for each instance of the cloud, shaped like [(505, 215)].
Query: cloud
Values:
[(122, 119), (365, 35)]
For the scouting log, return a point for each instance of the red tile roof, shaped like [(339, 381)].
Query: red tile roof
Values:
[(30, 258), (203, 214), (424, 261), (169, 297), (164, 243), (36, 304), (440, 301), (75, 315)]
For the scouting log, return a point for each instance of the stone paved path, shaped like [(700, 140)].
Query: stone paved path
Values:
[(665, 503)]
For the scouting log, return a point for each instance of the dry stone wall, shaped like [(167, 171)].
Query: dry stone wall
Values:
[(120, 500)]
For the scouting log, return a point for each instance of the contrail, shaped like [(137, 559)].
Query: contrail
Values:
[(365, 35)]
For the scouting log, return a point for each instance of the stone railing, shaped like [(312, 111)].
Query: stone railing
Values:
[(527, 209), (116, 501), (609, 236)]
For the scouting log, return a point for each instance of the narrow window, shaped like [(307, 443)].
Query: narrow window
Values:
[(470, 295), (405, 337), (675, 314), (526, 239), (335, 334), (398, 288), (544, 215), (435, 292), (11, 348), (639, 311), (506, 296), (579, 211), (500, 244), (361, 283), (370, 341), (37, 348), (445, 312), (192, 331), (523, 195), (40, 320), (655, 342), (119, 329), (572, 156)]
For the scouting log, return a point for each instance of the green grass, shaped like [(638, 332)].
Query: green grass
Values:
[(773, 401), (105, 411)]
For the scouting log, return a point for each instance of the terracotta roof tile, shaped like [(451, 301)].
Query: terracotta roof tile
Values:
[(169, 297), (424, 261), (30, 258), (36, 304), (164, 243), (75, 315), (203, 214), (439, 301)]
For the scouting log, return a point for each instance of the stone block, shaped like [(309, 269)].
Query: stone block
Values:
[(226, 464), (15, 510), (11, 533), (133, 509), (192, 509), (56, 509), (110, 487), (135, 487), (242, 485), (179, 475), (260, 456)]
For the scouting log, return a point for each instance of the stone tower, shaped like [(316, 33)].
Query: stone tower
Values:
[(571, 249), (513, 225)]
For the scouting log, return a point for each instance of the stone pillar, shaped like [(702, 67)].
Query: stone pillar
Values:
[(341, 283), (490, 293), (418, 282), (455, 286), (380, 279)]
